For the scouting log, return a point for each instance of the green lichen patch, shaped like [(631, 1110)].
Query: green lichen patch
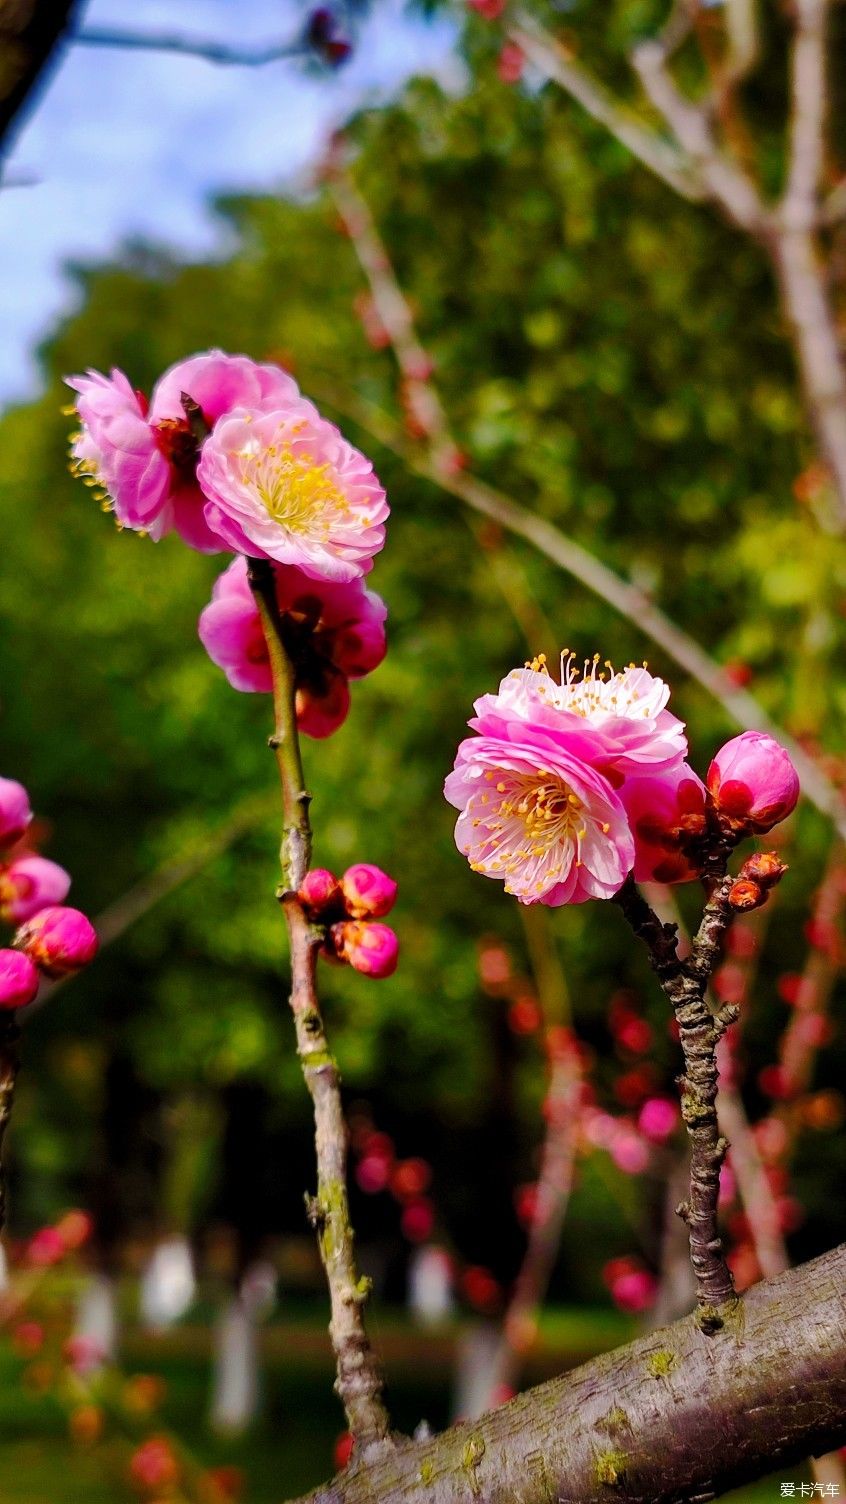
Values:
[(661, 1364), (610, 1468)]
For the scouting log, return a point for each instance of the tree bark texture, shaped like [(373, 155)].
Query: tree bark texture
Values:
[(675, 1416), (30, 32)]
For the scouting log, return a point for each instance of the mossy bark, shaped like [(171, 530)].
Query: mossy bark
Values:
[(676, 1416)]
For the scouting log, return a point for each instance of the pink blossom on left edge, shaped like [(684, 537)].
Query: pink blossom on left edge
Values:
[(145, 461), (335, 632)]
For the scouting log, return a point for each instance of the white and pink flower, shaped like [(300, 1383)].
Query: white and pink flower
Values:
[(536, 816), (285, 485)]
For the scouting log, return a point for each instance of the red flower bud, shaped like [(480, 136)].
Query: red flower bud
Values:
[(320, 892), (368, 891), (753, 782), (371, 948), (19, 980), (59, 940), (744, 896), (764, 868)]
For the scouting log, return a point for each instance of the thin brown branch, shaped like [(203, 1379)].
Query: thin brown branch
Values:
[(660, 156), (690, 124), (209, 51), (683, 984), (359, 1380), (809, 107), (670, 1417)]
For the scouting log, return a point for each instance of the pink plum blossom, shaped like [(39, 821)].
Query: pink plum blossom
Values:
[(753, 781), (59, 940), (145, 460), (666, 813), (620, 720), (19, 979), (45, 1248), (283, 484), (28, 884), (370, 948), (533, 813), (369, 893), (15, 813), (335, 632)]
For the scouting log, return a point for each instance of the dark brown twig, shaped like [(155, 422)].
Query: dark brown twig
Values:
[(684, 984)]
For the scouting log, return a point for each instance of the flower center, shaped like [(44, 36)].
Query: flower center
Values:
[(294, 489), (531, 824)]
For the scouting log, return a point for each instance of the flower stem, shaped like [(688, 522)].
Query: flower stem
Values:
[(700, 1031), (359, 1380)]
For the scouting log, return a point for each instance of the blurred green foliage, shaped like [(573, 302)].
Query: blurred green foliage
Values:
[(610, 356)]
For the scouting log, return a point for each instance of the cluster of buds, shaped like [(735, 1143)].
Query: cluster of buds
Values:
[(349, 911), (52, 940)]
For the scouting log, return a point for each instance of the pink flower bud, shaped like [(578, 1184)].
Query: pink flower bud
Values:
[(29, 884), (372, 949), (15, 813), (19, 979), (45, 1248), (753, 781), (368, 891), (320, 892), (58, 940)]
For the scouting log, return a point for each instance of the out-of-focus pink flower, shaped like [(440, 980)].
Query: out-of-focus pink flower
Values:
[(45, 1248), (154, 1467), (667, 816), (536, 816), (146, 460), (15, 813), (629, 1152), (510, 63), (28, 1338), (75, 1228), (418, 1220), (369, 893), (320, 892), (658, 1119), (285, 485), (489, 10), (335, 632), (632, 1287), (753, 782), (368, 947), (19, 979), (59, 940), (83, 1354), (28, 884)]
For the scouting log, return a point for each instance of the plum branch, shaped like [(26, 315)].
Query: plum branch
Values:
[(359, 1381)]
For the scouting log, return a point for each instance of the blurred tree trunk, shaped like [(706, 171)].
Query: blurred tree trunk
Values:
[(30, 34)]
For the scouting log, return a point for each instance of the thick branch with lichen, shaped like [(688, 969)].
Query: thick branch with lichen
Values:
[(359, 1380), (684, 984), (673, 1416)]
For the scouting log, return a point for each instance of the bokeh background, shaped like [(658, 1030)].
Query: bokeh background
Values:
[(612, 358)]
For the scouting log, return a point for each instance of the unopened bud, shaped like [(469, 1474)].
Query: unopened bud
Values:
[(371, 948), (764, 868), (18, 979), (29, 884), (320, 892), (753, 782), (369, 893), (58, 940), (15, 813), (744, 895)]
